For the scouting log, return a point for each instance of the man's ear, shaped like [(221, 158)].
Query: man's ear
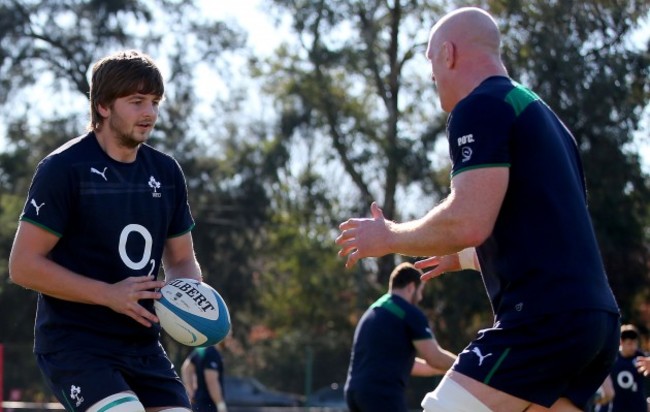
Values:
[(449, 51), (411, 287), (104, 111)]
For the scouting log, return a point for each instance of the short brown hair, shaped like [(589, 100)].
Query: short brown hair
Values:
[(629, 332), (122, 74), (404, 274)]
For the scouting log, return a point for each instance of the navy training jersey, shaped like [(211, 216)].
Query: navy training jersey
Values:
[(206, 359), (542, 256), (383, 352), (629, 385), (112, 220)]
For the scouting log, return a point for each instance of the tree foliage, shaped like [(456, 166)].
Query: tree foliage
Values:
[(348, 80), (357, 120), (226, 185), (64, 38)]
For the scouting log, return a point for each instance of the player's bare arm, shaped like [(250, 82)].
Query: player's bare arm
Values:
[(422, 369), (434, 355), (643, 365), (30, 267), (438, 265), (179, 260), (211, 377), (464, 219), (188, 376)]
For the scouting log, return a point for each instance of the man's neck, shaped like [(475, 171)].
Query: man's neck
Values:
[(110, 145), (402, 293)]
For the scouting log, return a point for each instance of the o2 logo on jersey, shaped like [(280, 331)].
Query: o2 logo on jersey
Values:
[(137, 230), (625, 380), (467, 153)]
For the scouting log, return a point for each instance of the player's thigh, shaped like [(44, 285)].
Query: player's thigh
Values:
[(203, 406), (586, 382), (561, 405), (460, 393), (118, 402), (155, 381), (80, 380), (544, 359), (457, 395), (375, 401)]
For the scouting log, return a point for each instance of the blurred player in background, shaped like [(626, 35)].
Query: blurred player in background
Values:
[(104, 213), (386, 341), (603, 395), (517, 212), (202, 373), (628, 382)]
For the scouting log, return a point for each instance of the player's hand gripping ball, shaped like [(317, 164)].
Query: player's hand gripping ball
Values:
[(192, 313)]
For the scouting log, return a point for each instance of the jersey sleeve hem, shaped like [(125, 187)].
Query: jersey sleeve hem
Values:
[(42, 226), (481, 166), (189, 229), (423, 338)]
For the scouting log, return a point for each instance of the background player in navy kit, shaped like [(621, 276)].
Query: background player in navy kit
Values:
[(518, 196), (629, 383), (387, 339), (202, 373), (103, 212), (603, 395)]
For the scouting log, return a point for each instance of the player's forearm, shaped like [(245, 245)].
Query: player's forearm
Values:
[(185, 269), (464, 219), (422, 369), (446, 359), (217, 396), (439, 358), (179, 260), (188, 377), (41, 274), (440, 232)]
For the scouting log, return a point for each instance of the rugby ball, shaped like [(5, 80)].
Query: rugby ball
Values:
[(192, 312)]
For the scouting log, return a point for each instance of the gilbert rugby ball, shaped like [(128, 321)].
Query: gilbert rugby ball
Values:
[(192, 312)]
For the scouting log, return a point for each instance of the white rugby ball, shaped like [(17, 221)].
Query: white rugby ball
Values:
[(192, 312)]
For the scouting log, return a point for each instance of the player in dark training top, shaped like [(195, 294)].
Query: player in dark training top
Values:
[(104, 213), (203, 375), (392, 341), (628, 381), (517, 212)]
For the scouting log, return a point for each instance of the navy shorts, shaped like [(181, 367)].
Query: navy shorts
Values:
[(79, 379), (204, 405), (565, 355), (375, 401)]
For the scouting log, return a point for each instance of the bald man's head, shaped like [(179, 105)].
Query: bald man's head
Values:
[(464, 49), (467, 28)]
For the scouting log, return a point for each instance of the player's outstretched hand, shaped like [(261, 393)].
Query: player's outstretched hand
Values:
[(438, 265), (643, 365), (124, 296), (364, 237)]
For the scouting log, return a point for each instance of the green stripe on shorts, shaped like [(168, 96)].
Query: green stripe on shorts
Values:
[(69, 405), (496, 366), (118, 402)]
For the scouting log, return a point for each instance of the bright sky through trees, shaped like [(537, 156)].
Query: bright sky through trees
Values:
[(263, 37)]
